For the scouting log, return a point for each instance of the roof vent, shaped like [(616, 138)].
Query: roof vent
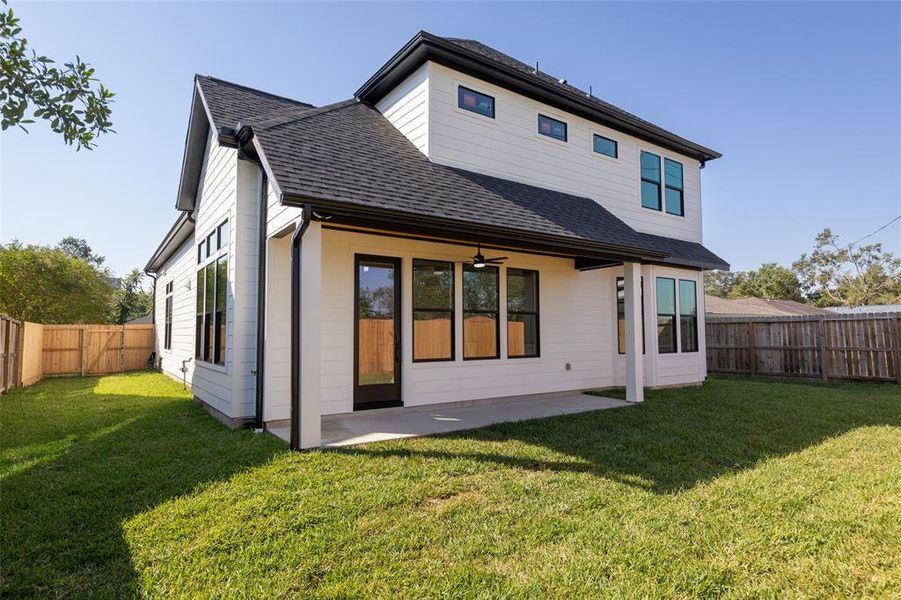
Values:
[(536, 68), (563, 81)]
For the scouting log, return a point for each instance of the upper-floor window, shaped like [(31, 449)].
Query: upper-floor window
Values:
[(476, 102), (605, 146), (672, 172), (213, 243), (481, 296), (650, 180), (522, 313), (552, 128), (433, 310)]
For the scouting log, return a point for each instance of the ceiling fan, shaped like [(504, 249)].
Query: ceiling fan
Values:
[(479, 261)]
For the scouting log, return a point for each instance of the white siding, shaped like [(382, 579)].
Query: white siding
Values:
[(180, 271), (406, 107), (509, 147), (277, 385), (578, 318)]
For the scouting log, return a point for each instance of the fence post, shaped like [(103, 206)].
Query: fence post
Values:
[(122, 351), (753, 347), (84, 350), (896, 348), (824, 362)]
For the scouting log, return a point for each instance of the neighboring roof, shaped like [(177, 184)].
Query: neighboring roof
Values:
[(145, 320), (180, 231), (479, 60), (872, 308), (758, 307), (323, 157)]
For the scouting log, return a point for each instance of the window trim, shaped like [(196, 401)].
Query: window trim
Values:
[(594, 135), (681, 190), (167, 324), (536, 313), (538, 132), (453, 312), (497, 312), (674, 315), (460, 106), (644, 343)]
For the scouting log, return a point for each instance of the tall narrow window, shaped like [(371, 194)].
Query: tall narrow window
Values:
[(672, 171), (433, 310), (476, 102), (688, 315), (522, 313), (210, 302), (220, 313), (621, 316), (552, 128), (222, 236), (198, 326), (666, 315), (650, 180), (167, 330), (480, 312)]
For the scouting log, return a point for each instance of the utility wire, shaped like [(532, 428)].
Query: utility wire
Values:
[(875, 232)]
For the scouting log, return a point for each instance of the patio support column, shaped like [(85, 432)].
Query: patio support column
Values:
[(309, 425), (634, 358)]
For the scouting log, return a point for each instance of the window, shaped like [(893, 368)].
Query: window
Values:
[(167, 329), (688, 316), (481, 331), (433, 310), (476, 102), (666, 315), (605, 146), (522, 313), (621, 316), (552, 128), (650, 180), (672, 171), (212, 297)]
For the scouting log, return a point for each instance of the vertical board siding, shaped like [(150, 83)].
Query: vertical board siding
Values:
[(841, 347), (10, 353)]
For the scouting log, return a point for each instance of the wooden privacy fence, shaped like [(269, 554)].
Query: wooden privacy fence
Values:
[(29, 351), (865, 347)]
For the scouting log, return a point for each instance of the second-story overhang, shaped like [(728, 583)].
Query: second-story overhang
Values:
[(428, 47)]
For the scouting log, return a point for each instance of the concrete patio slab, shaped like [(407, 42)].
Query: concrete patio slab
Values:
[(392, 423)]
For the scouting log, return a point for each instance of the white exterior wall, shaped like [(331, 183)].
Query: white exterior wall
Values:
[(406, 107), (180, 269), (424, 108)]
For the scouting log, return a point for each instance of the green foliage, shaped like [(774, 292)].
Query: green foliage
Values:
[(122, 487), (79, 248), (130, 300), (46, 285), (835, 275), (720, 283), (70, 98), (770, 281)]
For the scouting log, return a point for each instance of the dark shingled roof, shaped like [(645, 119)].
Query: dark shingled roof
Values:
[(349, 153)]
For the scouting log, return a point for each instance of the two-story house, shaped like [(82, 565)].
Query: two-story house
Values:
[(465, 227)]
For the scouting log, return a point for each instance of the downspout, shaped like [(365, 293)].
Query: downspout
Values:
[(296, 332), (244, 136)]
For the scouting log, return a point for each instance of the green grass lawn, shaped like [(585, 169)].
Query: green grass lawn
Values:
[(122, 486)]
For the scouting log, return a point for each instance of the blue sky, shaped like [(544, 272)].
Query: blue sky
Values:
[(803, 99)]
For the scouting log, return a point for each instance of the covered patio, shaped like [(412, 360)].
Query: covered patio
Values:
[(399, 422)]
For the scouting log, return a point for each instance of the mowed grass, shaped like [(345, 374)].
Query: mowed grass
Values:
[(122, 486)]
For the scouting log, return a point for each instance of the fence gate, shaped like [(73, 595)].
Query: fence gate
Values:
[(10, 340)]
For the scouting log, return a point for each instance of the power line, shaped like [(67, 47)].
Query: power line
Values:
[(875, 232)]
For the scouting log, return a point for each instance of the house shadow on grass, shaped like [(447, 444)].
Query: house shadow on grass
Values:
[(107, 458), (677, 438)]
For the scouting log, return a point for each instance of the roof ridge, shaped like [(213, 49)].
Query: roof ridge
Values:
[(287, 119), (251, 89)]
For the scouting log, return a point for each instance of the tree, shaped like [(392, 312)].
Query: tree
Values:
[(720, 283), (79, 248), (130, 300), (46, 285), (70, 98), (849, 275), (770, 281)]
